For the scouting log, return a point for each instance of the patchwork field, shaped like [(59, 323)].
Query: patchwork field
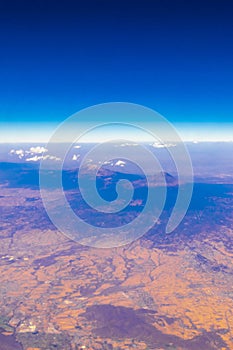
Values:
[(161, 292)]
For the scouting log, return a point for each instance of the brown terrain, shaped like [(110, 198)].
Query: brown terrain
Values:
[(160, 292)]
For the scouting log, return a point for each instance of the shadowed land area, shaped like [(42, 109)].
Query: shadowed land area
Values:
[(121, 322)]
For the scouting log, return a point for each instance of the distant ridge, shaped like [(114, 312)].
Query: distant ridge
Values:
[(27, 175)]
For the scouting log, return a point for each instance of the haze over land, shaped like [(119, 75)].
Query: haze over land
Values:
[(56, 293)]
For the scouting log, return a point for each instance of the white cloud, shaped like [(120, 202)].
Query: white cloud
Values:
[(128, 144), (37, 158), (34, 159), (117, 163), (38, 150), (162, 145), (77, 146), (32, 150), (120, 163), (76, 157), (18, 152)]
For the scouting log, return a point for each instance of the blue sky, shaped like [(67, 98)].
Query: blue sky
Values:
[(58, 57)]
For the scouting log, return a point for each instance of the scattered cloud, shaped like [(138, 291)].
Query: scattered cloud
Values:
[(76, 157), (34, 159), (33, 154), (120, 163), (37, 158), (127, 144), (18, 152), (162, 145), (32, 150), (38, 150)]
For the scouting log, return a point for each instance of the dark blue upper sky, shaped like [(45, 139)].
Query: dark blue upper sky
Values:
[(60, 56)]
